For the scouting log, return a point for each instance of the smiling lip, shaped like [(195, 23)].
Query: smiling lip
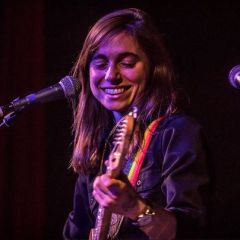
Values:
[(115, 91)]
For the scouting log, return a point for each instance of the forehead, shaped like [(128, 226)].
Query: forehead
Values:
[(118, 44)]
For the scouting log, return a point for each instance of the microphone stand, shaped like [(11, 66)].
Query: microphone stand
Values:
[(9, 119), (10, 113)]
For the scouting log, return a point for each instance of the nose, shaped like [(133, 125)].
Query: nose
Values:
[(112, 74)]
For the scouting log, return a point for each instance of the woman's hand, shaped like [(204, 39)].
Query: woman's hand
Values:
[(118, 196)]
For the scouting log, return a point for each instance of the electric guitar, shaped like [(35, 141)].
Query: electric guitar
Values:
[(121, 140)]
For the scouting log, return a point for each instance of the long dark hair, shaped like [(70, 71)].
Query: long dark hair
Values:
[(91, 119)]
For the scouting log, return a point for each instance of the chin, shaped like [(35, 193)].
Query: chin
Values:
[(120, 109)]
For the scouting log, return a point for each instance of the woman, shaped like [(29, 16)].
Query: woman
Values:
[(124, 64)]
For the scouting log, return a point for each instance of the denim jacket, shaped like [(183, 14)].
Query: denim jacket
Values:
[(173, 176)]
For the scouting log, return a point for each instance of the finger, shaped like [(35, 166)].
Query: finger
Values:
[(106, 163), (106, 185), (103, 199), (99, 185), (114, 186)]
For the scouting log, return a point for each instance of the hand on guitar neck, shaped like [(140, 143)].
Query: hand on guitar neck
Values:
[(118, 196)]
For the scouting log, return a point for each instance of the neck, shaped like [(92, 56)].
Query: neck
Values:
[(117, 116)]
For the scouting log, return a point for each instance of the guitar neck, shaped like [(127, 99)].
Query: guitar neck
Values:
[(121, 142)]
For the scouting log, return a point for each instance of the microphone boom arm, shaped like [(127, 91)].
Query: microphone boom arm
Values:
[(68, 88)]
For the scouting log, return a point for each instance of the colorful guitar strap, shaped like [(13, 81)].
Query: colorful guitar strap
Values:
[(134, 171)]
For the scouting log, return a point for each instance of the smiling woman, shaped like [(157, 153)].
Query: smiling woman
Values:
[(124, 66), (118, 73)]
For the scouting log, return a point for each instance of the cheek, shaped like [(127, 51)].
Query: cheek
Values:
[(92, 74), (93, 78), (137, 78), (133, 76), (139, 74)]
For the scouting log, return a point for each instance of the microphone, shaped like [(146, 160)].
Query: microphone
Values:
[(234, 77), (67, 87)]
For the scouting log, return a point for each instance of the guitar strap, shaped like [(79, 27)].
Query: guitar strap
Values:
[(117, 219)]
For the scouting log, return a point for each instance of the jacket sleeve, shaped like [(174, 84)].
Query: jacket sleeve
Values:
[(79, 223), (185, 174)]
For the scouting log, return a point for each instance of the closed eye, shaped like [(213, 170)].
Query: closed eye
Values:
[(128, 60), (99, 64), (128, 64)]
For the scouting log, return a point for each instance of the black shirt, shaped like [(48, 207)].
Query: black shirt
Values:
[(173, 176)]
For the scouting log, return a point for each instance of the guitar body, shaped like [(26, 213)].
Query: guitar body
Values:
[(121, 141), (102, 228)]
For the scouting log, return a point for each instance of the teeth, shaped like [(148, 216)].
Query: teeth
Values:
[(114, 91)]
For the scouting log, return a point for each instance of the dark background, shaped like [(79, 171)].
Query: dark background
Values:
[(39, 43)]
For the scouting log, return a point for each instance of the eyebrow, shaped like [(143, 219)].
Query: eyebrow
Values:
[(120, 56)]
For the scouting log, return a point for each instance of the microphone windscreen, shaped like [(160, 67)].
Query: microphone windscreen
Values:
[(70, 86), (234, 77)]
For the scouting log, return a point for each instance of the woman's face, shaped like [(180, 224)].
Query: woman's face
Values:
[(118, 72)]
